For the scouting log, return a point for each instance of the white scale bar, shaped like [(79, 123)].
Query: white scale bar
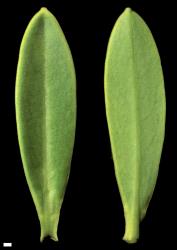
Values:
[(7, 244)]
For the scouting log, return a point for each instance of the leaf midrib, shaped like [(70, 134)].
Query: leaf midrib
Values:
[(45, 186), (136, 203)]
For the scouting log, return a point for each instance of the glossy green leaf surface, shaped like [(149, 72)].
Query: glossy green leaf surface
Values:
[(135, 109), (46, 115)]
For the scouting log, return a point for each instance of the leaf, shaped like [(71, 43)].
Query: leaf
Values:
[(135, 109), (46, 115)]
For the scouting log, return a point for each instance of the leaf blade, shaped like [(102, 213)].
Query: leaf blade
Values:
[(46, 115), (135, 109)]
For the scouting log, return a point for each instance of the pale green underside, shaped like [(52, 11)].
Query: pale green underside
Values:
[(135, 108), (46, 115)]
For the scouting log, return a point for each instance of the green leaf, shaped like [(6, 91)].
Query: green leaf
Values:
[(135, 109), (46, 115)]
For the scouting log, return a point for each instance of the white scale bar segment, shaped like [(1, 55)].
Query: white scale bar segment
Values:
[(7, 244)]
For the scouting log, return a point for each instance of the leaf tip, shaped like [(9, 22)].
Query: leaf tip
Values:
[(44, 11), (127, 10), (127, 13)]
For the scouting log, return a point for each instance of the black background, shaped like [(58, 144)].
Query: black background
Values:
[(92, 214)]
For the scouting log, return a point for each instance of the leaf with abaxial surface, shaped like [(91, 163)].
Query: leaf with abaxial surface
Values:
[(46, 115), (135, 109)]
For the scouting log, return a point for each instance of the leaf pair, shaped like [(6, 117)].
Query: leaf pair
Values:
[(46, 115)]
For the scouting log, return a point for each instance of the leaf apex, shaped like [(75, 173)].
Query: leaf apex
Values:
[(44, 11), (128, 10)]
